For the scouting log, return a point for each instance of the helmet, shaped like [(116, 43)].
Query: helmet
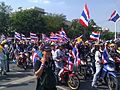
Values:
[(46, 48)]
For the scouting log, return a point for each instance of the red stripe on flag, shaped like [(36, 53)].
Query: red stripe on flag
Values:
[(87, 10), (81, 21)]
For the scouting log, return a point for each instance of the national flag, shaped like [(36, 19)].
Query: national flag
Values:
[(105, 56), (62, 32), (17, 36), (23, 37), (84, 19), (115, 17), (46, 39), (33, 37), (35, 57), (75, 55), (95, 35), (54, 39)]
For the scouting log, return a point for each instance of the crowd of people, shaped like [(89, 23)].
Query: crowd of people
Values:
[(48, 57)]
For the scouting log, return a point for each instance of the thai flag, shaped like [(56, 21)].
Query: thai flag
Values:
[(84, 19), (35, 57), (62, 32), (33, 37), (17, 36), (63, 35), (105, 56), (114, 17), (54, 39), (95, 35), (74, 52), (46, 39), (23, 37)]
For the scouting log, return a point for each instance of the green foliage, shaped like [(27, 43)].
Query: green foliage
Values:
[(107, 36), (4, 17), (53, 22), (26, 21)]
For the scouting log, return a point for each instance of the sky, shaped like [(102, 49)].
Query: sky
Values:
[(100, 10)]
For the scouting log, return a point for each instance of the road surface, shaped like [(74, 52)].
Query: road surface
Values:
[(19, 79)]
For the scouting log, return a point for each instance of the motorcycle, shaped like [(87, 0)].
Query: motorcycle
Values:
[(22, 60), (109, 76), (69, 77), (85, 68)]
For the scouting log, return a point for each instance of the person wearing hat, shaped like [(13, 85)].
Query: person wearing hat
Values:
[(98, 66), (41, 67)]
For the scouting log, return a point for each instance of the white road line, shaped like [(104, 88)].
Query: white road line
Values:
[(18, 81), (62, 88)]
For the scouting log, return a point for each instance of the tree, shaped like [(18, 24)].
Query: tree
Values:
[(26, 21), (53, 22), (5, 11)]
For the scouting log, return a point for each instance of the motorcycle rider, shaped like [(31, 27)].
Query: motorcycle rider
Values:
[(98, 66), (58, 57)]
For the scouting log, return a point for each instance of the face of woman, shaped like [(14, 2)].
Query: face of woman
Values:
[(46, 54)]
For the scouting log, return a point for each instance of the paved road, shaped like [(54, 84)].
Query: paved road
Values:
[(19, 79)]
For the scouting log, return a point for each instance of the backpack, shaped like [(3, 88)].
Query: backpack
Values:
[(48, 79)]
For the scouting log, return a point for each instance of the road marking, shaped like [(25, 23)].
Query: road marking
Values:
[(18, 81), (62, 88)]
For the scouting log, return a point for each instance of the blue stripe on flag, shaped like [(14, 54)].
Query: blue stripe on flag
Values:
[(115, 18), (84, 15)]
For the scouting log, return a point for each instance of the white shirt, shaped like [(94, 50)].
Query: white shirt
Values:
[(97, 57), (58, 53), (53, 54)]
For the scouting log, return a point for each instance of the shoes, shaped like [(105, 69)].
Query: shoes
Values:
[(95, 86), (4, 73)]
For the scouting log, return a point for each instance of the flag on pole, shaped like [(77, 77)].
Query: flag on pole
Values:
[(17, 36), (95, 35), (105, 56), (33, 37), (23, 37), (115, 17), (84, 19)]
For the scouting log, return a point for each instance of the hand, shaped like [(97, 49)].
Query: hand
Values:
[(43, 60)]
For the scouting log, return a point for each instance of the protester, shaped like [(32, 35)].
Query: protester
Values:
[(98, 62), (44, 66), (3, 59)]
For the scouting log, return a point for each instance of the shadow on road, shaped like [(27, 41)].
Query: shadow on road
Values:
[(86, 85)]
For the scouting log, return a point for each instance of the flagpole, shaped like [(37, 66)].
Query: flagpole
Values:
[(115, 30)]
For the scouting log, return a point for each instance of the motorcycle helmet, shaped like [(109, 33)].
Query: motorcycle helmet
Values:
[(46, 48)]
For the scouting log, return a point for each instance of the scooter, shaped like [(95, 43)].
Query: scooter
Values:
[(69, 77), (22, 60), (85, 68), (109, 76)]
